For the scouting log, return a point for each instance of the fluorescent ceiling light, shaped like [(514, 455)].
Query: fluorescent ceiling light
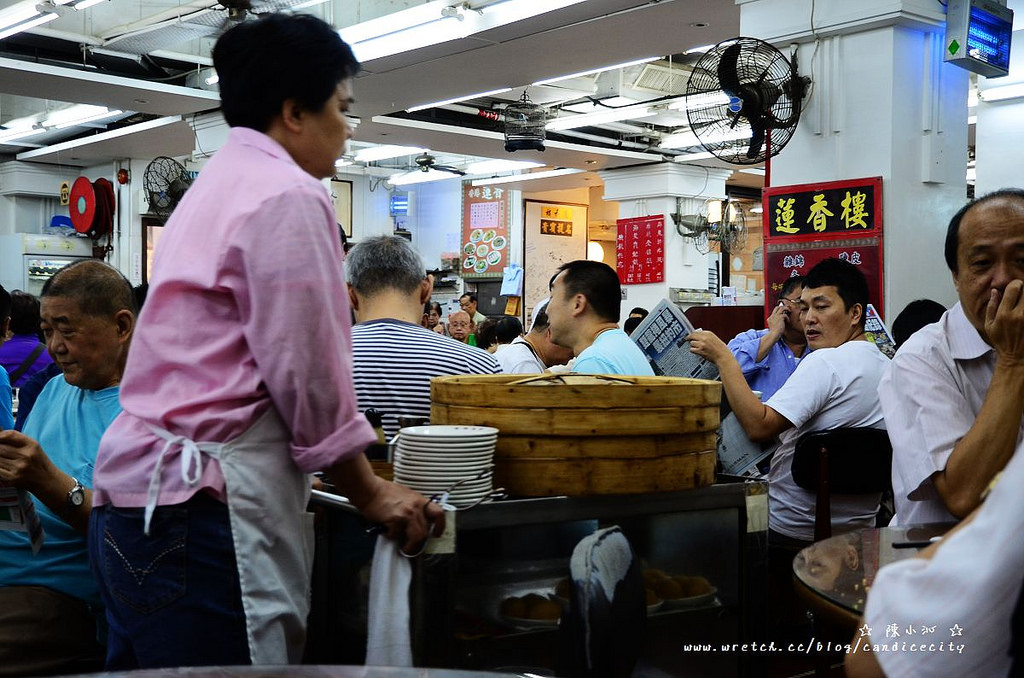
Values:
[(86, 4), (1002, 93), (679, 140), (698, 101), (375, 153), (342, 162), (77, 115), (758, 171), (693, 156), (19, 133), (417, 176), (301, 5), (25, 25), (426, 25), (699, 50), (453, 100), (636, 62), (611, 115), (495, 166), (562, 171)]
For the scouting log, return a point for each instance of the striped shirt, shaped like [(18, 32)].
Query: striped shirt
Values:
[(394, 361)]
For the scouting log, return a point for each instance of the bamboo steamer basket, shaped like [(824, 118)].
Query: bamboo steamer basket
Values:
[(589, 434)]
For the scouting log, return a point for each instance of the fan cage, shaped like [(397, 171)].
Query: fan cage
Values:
[(713, 116), (165, 181)]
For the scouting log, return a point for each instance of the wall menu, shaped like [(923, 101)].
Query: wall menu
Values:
[(485, 228), (810, 211), (640, 250), (807, 223)]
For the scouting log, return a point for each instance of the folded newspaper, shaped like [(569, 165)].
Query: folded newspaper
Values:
[(662, 337), (877, 332), (18, 512)]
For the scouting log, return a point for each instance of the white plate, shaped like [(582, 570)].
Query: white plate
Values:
[(441, 474), (692, 601), (448, 431), (444, 460), (443, 485), (442, 448)]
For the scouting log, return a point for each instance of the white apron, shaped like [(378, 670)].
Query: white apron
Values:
[(271, 530)]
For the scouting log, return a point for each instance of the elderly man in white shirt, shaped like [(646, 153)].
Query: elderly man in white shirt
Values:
[(953, 396)]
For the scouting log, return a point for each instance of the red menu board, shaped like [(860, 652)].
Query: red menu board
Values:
[(485, 216), (640, 250), (784, 260)]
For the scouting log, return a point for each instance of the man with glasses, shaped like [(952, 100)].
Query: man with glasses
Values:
[(767, 357)]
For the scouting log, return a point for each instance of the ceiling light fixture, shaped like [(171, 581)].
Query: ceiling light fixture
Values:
[(86, 4), (635, 62), (495, 166), (693, 156), (548, 174), (419, 177), (699, 50), (8, 29), (76, 115), (589, 119), (1002, 93), (375, 153), (453, 100), (698, 101)]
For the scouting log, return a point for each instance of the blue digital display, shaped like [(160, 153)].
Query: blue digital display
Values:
[(988, 38), (399, 204)]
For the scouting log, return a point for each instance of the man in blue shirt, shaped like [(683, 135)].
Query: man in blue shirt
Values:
[(583, 315), (767, 357), (49, 600)]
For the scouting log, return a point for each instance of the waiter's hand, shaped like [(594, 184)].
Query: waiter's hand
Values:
[(408, 516)]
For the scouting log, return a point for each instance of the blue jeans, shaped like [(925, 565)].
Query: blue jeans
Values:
[(173, 598)]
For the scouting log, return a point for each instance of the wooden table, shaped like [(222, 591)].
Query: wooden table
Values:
[(834, 575)]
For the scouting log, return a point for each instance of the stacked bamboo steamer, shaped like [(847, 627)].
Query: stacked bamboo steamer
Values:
[(589, 434)]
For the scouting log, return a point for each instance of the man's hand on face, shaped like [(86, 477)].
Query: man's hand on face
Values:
[(778, 321), (1004, 323)]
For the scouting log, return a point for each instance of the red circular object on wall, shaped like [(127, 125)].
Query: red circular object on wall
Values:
[(122, 176), (83, 205)]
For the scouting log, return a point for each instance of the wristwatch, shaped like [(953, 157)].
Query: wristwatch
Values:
[(76, 495)]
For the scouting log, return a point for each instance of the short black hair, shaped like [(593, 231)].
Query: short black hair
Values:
[(486, 333), (913, 317), (472, 297), (850, 283), (631, 324), (263, 63), (507, 328), (639, 311), (24, 313), (99, 289), (789, 284), (595, 280), (953, 231), (5, 304)]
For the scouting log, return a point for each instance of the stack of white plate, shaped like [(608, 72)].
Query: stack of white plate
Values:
[(431, 459)]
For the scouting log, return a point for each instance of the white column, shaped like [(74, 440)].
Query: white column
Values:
[(653, 189), (882, 103)]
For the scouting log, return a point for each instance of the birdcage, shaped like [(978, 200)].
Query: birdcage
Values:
[(524, 126)]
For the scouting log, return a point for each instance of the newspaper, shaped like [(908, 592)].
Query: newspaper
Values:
[(18, 512), (877, 333), (662, 338), (737, 453)]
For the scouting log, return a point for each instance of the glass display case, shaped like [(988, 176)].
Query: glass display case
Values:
[(463, 604)]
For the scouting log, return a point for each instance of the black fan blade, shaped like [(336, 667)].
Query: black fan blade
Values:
[(728, 69), (448, 168), (757, 139)]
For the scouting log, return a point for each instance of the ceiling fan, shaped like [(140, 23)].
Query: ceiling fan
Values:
[(426, 162), (426, 169)]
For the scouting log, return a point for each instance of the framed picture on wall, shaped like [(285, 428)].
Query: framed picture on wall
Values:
[(341, 194), (554, 234)]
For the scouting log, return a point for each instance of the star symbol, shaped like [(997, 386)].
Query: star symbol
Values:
[(865, 630), (955, 630)]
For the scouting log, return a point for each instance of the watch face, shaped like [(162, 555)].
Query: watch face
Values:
[(77, 497)]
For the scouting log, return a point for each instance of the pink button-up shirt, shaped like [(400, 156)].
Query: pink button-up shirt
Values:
[(247, 309)]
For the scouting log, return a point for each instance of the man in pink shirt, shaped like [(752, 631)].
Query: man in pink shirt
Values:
[(239, 383)]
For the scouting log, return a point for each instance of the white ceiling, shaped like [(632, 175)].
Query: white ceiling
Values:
[(585, 35)]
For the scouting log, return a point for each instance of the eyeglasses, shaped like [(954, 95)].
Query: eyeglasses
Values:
[(458, 324), (795, 302)]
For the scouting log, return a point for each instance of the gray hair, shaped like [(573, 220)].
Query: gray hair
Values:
[(383, 263)]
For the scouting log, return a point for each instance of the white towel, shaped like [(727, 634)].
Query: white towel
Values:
[(388, 641)]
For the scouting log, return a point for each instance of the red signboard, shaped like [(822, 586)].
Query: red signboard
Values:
[(485, 217), (640, 250), (851, 208)]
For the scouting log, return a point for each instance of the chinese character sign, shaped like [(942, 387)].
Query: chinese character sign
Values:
[(640, 250), (785, 260), (485, 215), (837, 208), (556, 220)]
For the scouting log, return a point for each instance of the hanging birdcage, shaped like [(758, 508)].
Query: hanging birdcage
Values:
[(524, 125)]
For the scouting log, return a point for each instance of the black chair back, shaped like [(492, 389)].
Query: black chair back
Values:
[(841, 461)]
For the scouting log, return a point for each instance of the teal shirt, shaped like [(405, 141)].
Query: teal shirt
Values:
[(613, 352), (6, 415), (68, 422)]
